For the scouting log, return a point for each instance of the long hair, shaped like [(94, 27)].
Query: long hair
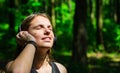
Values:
[(24, 27)]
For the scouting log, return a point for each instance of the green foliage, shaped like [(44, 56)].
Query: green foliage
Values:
[(117, 30), (64, 25), (4, 26), (1, 1), (111, 35), (7, 42), (64, 32), (106, 2)]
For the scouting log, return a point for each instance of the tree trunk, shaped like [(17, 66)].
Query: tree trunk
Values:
[(100, 43), (11, 4), (69, 5), (79, 31), (118, 11), (51, 11)]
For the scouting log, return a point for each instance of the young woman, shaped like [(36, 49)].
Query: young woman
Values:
[(35, 41)]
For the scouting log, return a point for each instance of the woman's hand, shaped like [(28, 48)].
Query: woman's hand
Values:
[(23, 36)]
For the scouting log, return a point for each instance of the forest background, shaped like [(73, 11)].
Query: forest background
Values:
[(87, 32)]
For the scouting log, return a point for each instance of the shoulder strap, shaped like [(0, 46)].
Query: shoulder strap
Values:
[(54, 68), (33, 70)]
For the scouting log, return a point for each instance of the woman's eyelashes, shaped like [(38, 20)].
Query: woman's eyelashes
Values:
[(39, 27), (49, 27)]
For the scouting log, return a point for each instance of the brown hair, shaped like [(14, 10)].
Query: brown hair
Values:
[(26, 22), (25, 25)]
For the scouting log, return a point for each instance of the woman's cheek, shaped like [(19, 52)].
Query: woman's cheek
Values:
[(35, 35), (52, 34)]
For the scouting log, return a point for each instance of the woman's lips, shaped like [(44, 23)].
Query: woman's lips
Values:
[(47, 39)]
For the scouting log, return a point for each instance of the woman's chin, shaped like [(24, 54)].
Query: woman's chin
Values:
[(46, 44)]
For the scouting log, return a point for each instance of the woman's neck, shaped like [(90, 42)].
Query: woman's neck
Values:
[(41, 62), (41, 57)]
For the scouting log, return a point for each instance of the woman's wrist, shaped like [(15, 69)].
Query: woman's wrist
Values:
[(33, 43)]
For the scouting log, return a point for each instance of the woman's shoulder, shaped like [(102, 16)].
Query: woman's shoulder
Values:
[(61, 67), (4, 65), (8, 64)]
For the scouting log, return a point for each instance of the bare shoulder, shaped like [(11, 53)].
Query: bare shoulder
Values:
[(61, 67), (8, 65)]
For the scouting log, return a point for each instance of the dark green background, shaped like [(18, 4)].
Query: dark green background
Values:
[(107, 60)]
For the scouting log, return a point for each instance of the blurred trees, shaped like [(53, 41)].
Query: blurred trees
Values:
[(80, 33), (11, 16), (117, 10), (81, 26), (99, 24)]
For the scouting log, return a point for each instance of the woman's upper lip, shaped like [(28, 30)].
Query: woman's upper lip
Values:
[(46, 38)]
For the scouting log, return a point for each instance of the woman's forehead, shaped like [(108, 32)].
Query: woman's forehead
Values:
[(40, 20)]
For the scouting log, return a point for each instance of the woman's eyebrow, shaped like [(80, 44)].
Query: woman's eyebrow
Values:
[(50, 26)]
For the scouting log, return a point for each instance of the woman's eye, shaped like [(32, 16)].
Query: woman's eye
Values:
[(50, 28), (39, 27)]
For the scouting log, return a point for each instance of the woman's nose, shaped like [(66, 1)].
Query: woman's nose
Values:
[(47, 31)]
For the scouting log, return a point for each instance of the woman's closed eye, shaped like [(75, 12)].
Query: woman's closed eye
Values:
[(50, 28), (44, 27), (39, 27)]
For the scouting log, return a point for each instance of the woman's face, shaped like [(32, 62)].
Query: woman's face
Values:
[(41, 28)]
